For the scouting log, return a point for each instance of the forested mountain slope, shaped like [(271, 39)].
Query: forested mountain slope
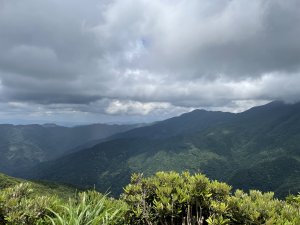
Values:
[(25, 145), (258, 148)]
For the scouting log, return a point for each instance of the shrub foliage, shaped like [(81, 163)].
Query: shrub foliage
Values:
[(175, 199), (167, 198)]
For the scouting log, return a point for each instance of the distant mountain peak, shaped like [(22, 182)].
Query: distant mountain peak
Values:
[(50, 125)]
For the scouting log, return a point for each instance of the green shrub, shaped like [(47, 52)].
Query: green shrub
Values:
[(19, 205), (258, 208), (171, 198)]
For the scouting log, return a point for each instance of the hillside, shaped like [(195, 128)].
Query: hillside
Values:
[(42, 188), (25, 145), (258, 148)]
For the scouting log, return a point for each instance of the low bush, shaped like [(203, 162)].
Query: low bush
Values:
[(171, 198), (167, 198), (20, 205)]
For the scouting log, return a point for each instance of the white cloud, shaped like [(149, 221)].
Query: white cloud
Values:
[(134, 107)]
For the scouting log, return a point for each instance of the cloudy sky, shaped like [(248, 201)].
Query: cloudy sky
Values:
[(84, 61)]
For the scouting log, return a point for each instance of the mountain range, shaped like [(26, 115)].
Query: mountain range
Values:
[(255, 149), (22, 146)]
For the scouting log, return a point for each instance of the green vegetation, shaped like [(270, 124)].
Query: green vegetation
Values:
[(167, 198), (89, 208), (7, 181), (20, 205), (171, 198)]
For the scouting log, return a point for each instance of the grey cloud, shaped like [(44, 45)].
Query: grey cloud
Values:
[(49, 50), (245, 38), (148, 57)]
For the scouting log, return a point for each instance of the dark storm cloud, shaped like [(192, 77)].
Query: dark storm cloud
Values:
[(48, 49), (142, 57)]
